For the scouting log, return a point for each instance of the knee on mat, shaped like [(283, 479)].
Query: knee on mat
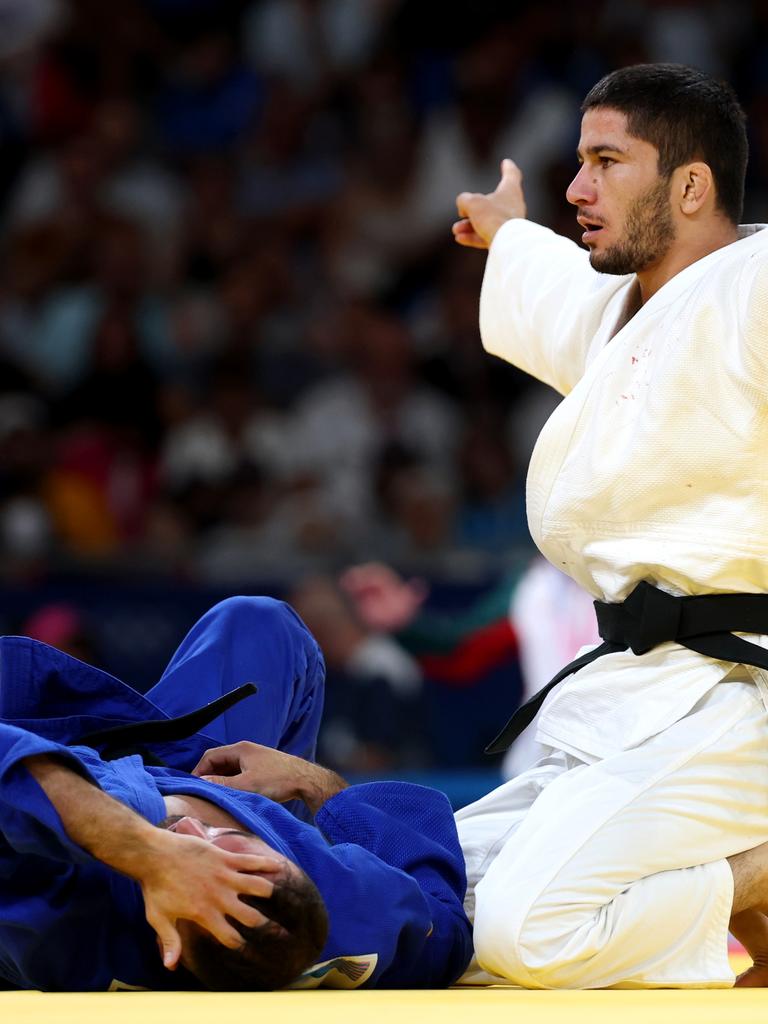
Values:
[(530, 948)]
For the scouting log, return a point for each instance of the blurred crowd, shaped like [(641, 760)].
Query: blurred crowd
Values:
[(236, 340), (238, 344)]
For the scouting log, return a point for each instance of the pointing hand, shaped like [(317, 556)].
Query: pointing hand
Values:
[(483, 214)]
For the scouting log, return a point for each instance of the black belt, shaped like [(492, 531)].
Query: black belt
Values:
[(130, 738), (650, 617)]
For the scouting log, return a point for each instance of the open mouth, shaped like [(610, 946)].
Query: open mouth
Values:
[(592, 229)]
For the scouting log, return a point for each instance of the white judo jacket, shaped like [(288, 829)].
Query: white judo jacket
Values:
[(655, 465)]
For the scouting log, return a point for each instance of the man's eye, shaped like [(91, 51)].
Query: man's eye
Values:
[(606, 161)]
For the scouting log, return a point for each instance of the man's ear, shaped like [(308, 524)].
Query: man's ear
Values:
[(696, 187)]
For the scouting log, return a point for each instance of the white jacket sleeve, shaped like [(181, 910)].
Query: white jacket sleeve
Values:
[(542, 305)]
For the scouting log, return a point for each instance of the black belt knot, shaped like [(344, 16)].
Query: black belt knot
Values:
[(649, 617)]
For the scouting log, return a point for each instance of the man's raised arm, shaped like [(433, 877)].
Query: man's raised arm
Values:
[(541, 301)]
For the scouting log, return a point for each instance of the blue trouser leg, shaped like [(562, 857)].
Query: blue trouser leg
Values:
[(249, 639)]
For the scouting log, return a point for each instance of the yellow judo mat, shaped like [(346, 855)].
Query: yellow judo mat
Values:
[(455, 1006)]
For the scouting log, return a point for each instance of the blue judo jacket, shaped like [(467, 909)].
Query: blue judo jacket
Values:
[(385, 856)]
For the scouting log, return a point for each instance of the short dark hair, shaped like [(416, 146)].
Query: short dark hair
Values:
[(273, 954), (687, 116)]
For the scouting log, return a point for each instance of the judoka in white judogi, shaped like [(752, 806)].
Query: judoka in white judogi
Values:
[(604, 865)]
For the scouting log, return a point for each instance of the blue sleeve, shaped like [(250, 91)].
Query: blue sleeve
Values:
[(63, 914), (29, 824), (414, 902)]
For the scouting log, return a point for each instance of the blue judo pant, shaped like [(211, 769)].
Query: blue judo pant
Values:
[(249, 640), (240, 640)]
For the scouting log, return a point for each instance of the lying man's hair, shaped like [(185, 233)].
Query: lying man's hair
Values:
[(273, 954)]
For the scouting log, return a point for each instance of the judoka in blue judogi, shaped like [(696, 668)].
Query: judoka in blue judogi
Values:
[(384, 856)]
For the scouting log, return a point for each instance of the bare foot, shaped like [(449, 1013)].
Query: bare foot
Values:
[(755, 976), (751, 929)]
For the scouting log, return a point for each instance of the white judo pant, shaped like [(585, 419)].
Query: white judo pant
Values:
[(613, 873)]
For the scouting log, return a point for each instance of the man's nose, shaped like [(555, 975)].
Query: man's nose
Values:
[(191, 827), (581, 191)]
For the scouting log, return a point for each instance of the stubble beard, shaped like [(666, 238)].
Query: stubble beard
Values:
[(649, 232)]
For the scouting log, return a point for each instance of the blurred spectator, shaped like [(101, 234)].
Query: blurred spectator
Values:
[(288, 177), (415, 513), (370, 242), (64, 627), (373, 688), (237, 427), (25, 523), (63, 343), (213, 232), (492, 512), (98, 490), (343, 425), (106, 168), (313, 42), (536, 614), (210, 97)]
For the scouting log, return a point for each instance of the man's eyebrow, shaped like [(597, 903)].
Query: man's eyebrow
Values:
[(601, 147)]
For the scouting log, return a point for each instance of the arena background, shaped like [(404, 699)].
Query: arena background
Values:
[(239, 349)]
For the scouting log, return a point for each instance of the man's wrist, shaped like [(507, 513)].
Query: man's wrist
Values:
[(504, 226), (319, 785), (493, 231), (139, 849)]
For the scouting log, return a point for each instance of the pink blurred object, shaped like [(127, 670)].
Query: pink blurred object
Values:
[(54, 624)]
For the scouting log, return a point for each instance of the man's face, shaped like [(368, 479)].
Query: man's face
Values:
[(624, 205), (233, 840)]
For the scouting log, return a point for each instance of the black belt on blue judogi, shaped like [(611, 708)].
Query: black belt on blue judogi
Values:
[(649, 617), (131, 737)]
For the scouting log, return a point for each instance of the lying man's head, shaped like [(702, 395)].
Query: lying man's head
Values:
[(273, 954)]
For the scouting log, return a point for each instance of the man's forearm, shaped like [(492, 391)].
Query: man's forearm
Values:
[(319, 784), (182, 877), (101, 825)]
